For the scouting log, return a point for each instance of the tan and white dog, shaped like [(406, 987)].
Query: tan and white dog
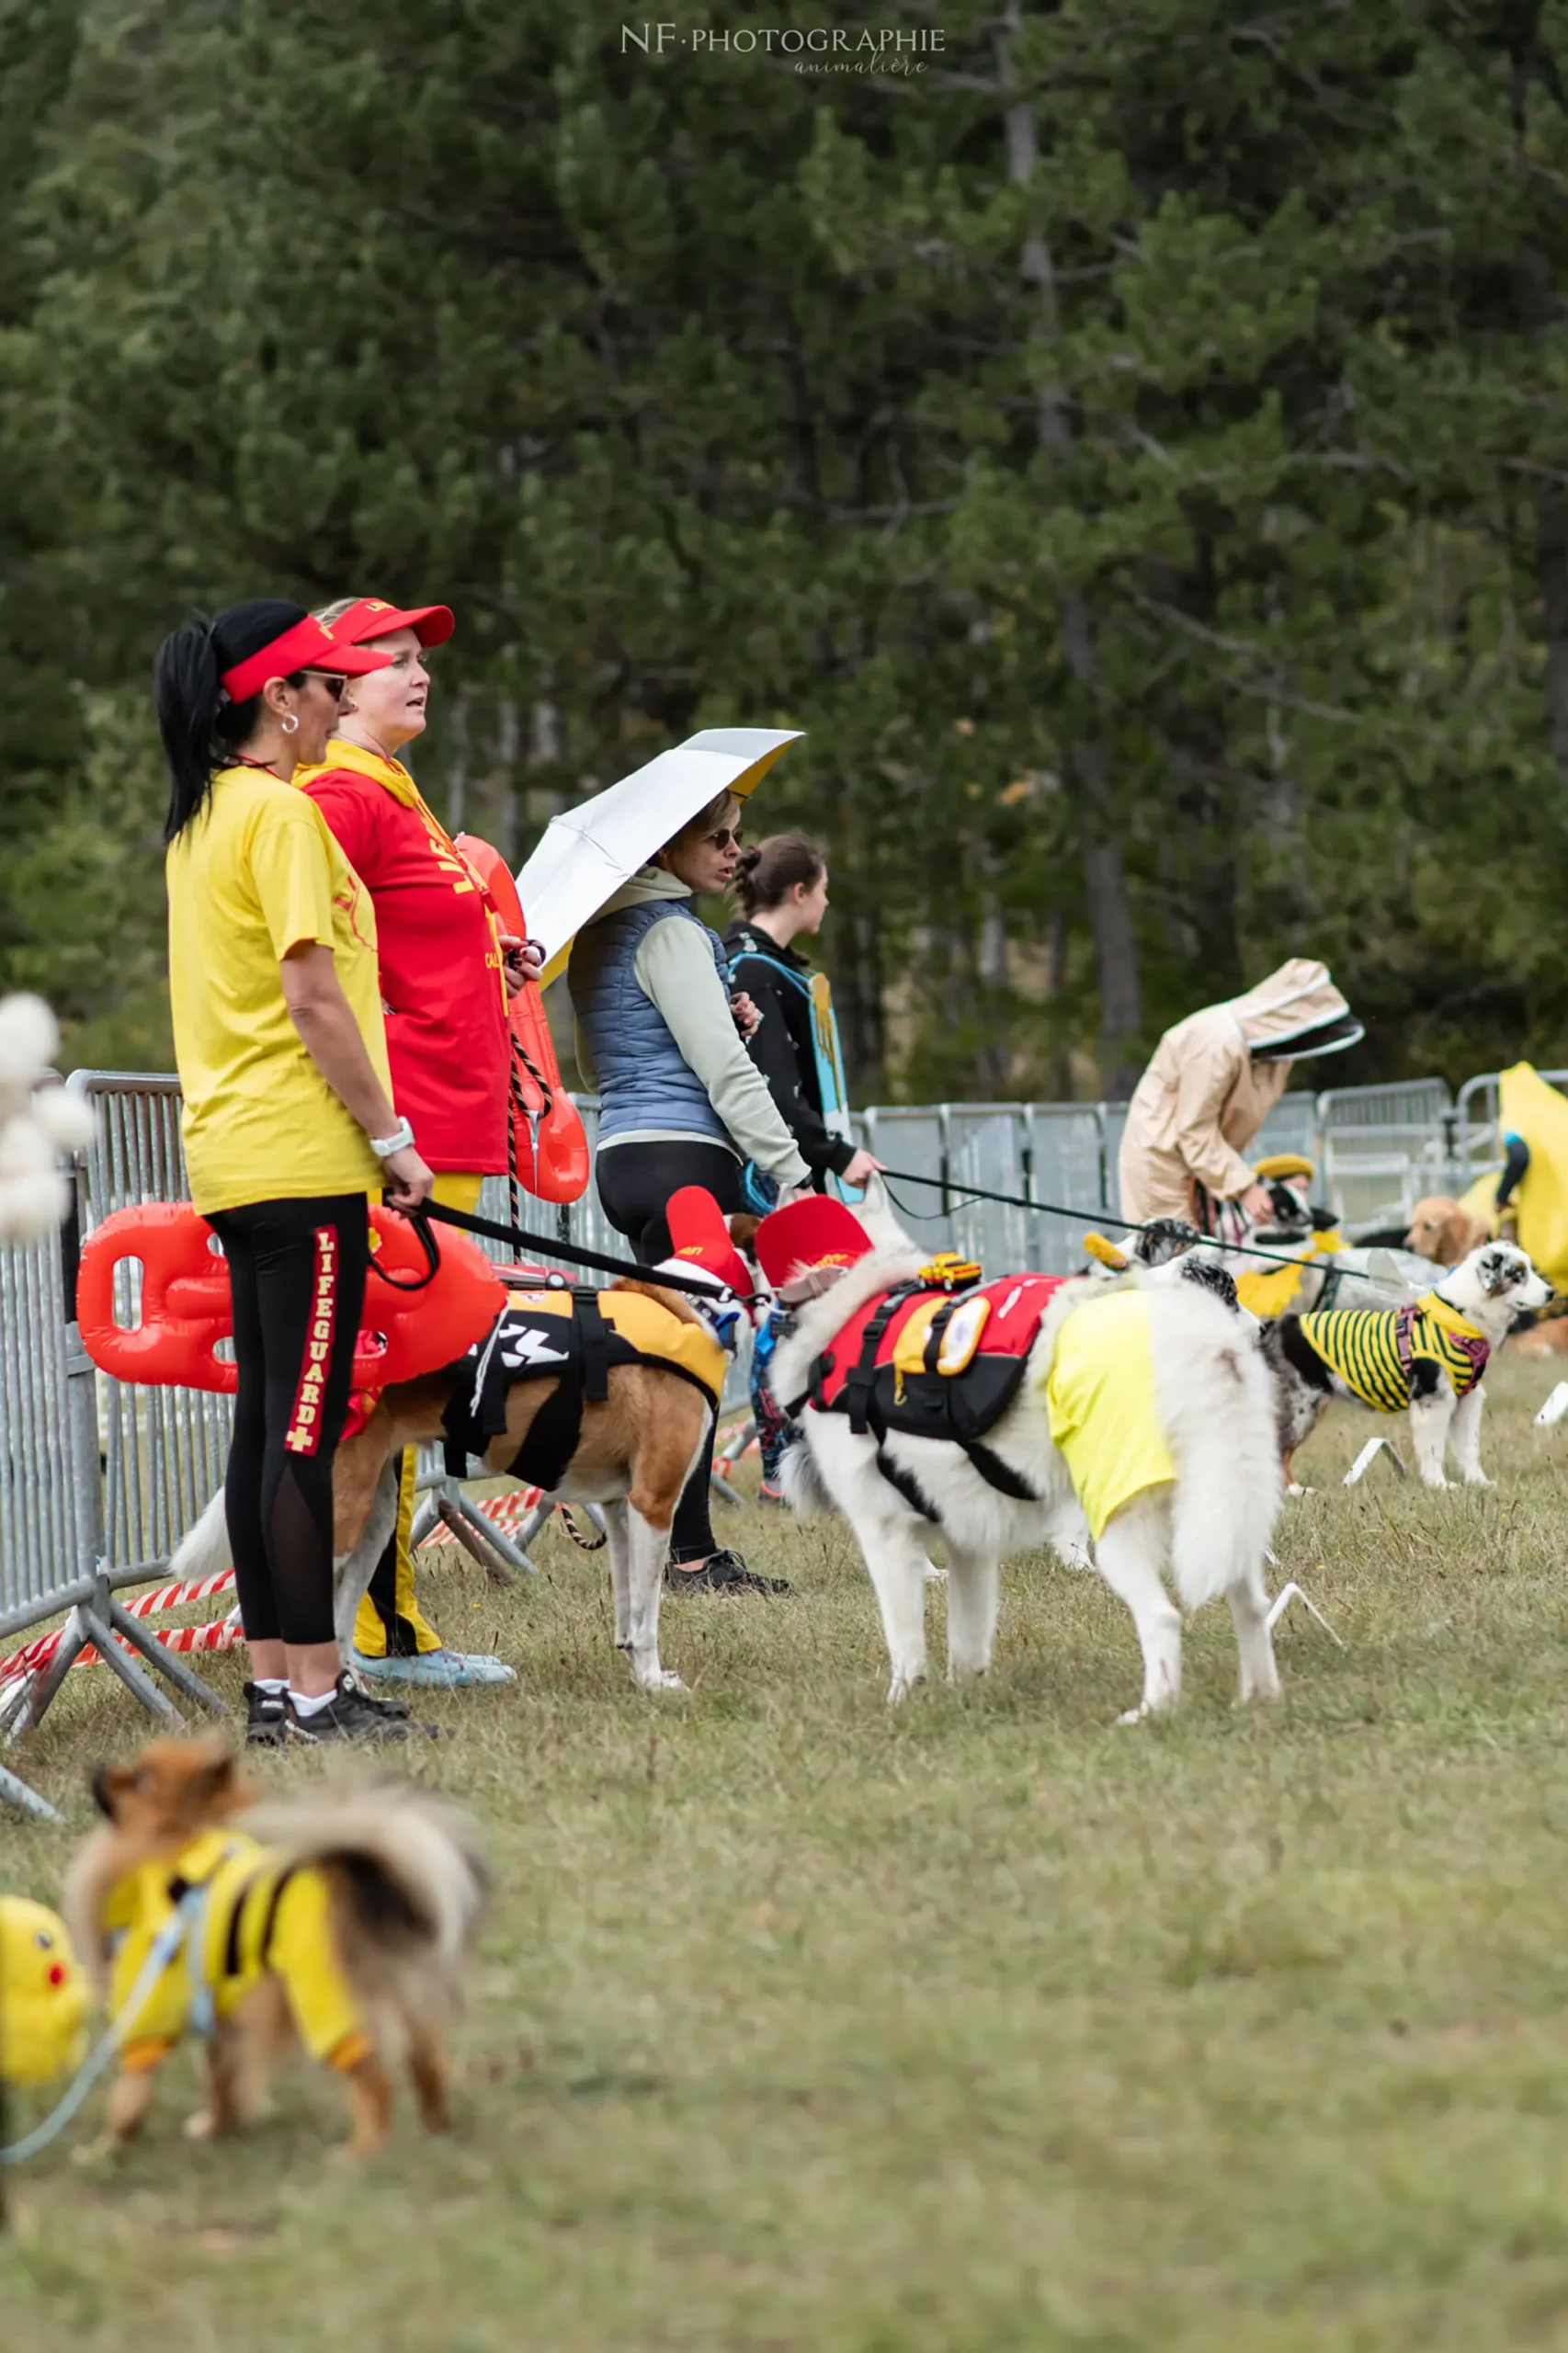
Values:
[(1207, 1429), (631, 1450)]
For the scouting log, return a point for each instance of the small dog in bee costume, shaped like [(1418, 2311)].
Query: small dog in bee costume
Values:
[(1428, 1357), (340, 1922)]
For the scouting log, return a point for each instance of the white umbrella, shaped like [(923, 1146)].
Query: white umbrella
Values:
[(586, 853)]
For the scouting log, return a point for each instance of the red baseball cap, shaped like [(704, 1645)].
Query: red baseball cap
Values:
[(372, 617), (701, 1239), (817, 1230), (306, 644)]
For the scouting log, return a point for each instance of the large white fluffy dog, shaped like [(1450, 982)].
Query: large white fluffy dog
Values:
[(1208, 1526)]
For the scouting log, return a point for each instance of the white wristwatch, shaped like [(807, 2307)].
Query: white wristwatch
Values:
[(400, 1139)]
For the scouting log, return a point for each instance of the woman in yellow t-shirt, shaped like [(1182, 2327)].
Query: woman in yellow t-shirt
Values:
[(289, 1120)]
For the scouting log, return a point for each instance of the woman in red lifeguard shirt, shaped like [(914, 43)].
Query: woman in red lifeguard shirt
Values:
[(446, 972)]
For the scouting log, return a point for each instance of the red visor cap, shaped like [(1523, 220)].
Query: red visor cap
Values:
[(307, 645), (815, 1232), (699, 1237), (372, 617)]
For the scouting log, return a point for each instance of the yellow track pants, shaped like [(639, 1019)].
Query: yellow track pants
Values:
[(391, 1622)]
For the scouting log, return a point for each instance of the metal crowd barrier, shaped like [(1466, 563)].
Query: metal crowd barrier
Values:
[(1382, 1148), (98, 1481)]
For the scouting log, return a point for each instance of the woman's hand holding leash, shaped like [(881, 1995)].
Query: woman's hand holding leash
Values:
[(408, 1181), (860, 1167)]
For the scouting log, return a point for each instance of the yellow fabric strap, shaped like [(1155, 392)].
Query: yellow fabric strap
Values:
[(1448, 1317), (909, 1348)]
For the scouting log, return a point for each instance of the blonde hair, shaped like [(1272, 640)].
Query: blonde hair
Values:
[(328, 614), (722, 809)]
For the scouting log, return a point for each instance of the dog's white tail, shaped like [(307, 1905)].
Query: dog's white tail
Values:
[(802, 1484), (203, 1550), (1217, 1404)]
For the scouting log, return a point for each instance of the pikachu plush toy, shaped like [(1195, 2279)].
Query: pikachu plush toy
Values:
[(44, 1995)]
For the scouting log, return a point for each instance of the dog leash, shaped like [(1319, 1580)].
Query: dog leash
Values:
[(963, 1195), (600, 1260), (165, 1945)]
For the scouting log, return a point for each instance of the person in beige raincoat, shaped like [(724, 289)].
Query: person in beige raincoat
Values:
[(1213, 1081)]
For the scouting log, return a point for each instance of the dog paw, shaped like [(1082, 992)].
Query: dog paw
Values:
[(665, 1680), (202, 2126), (1479, 1479)]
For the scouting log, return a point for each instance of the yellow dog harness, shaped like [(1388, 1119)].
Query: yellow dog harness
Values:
[(260, 1915)]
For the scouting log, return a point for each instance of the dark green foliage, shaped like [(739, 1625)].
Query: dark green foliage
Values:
[(1132, 447)]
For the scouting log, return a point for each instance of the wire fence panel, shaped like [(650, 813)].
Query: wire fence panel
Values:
[(988, 1145), (1066, 1154), (1291, 1126), (164, 1450), (1113, 1122), (1382, 1148), (914, 1137), (44, 1562)]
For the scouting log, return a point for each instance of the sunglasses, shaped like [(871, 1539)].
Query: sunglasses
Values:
[(335, 681), (727, 837)]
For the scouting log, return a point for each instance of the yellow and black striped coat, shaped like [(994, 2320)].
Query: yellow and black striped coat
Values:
[(1374, 1350)]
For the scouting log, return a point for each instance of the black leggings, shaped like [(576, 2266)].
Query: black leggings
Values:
[(635, 1182), (297, 1281)]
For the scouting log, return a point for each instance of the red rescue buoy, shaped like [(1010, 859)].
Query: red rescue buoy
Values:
[(549, 1143), (185, 1308)]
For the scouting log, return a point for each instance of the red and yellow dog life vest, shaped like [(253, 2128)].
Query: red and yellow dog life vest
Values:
[(928, 1363)]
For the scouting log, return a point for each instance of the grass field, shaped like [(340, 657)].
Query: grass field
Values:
[(981, 2023)]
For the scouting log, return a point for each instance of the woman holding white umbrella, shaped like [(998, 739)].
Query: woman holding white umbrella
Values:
[(681, 1100)]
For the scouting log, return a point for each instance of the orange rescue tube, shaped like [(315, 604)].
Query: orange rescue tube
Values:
[(549, 1142), (186, 1307)]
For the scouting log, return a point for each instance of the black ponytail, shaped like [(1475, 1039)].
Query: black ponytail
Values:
[(200, 727)]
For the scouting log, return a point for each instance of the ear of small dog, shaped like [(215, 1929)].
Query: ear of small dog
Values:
[(1498, 1270), (1165, 1238), (743, 1234), (1209, 1276), (173, 1786), (105, 1783)]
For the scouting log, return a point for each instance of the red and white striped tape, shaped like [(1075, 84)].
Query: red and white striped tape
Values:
[(35, 1657), (506, 1512)]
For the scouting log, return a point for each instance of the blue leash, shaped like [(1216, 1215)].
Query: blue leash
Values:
[(180, 1926)]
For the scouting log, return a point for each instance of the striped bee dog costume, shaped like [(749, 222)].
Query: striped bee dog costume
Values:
[(1426, 1356)]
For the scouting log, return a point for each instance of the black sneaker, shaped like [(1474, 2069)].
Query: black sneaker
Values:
[(267, 1718), (721, 1572), (399, 1709), (348, 1715)]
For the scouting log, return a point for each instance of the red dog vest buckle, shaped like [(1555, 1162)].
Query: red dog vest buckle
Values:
[(186, 1308)]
